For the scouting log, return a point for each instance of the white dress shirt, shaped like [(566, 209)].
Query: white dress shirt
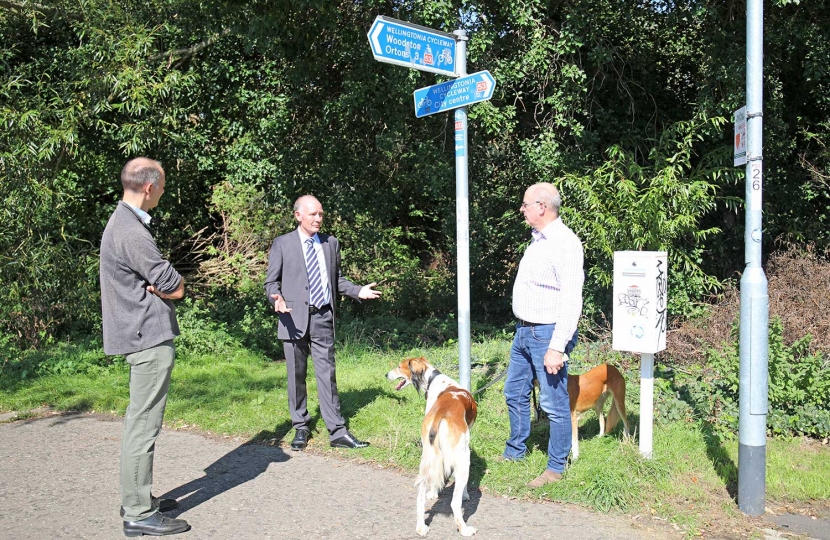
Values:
[(321, 261), (548, 287)]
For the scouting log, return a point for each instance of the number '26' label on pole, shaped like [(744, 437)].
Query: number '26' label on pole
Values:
[(756, 184)]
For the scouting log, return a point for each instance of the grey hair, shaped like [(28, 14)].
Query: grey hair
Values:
[(547, 193), (139, 172), (299, 202)]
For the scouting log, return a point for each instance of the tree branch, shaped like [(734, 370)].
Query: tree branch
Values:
[(190, 51)]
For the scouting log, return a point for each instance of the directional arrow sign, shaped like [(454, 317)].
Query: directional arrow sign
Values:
[(453, 94), (412, 46)]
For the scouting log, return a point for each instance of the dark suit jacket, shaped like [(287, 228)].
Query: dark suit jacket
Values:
[(287, 276)]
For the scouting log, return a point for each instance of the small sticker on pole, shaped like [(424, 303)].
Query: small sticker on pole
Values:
[(740, 137), (460, 133)]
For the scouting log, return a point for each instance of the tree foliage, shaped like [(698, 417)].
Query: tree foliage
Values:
[(250, 104)]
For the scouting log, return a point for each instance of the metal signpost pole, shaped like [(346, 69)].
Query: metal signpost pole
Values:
[(417, 47), (646, 405), (462, 221), (753, 387)]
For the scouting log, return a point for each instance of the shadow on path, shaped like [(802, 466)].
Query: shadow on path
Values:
[(442, 504), (240, 465)]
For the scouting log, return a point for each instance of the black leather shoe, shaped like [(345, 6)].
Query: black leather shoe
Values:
[(301, 436), (348, 441), (163, 505), (156, 525)]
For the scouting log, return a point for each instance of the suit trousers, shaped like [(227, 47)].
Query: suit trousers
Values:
[(318, 341), (150, 371)]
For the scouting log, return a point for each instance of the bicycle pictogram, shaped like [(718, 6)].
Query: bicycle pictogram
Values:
[(445, 57)]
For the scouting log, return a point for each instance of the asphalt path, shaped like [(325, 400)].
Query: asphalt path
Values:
[(59, 479)]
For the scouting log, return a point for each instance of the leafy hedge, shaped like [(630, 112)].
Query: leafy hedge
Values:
[(799, 389), (621, 104)]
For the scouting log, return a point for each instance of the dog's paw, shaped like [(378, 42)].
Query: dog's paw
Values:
[(422, 529), (466, 530), (432, 495), (465, 496)]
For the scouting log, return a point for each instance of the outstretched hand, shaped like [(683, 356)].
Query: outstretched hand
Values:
[(368, 293), (279, 304)]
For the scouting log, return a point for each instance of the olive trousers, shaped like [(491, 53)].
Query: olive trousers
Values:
[(150, 371)]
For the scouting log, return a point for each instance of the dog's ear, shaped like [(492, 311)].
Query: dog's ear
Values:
[(412, 375), (417, 374)]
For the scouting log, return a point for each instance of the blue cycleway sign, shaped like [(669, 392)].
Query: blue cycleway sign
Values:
[(460, 92), (412, 46)]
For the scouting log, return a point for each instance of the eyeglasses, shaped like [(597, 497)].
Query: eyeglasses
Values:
[(526, 204)]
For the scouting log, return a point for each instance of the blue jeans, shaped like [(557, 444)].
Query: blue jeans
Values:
[(527, 360)]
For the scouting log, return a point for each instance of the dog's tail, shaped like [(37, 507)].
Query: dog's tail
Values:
[(432, 475), (616, 384)]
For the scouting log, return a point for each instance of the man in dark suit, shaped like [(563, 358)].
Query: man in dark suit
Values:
[(303, 283)]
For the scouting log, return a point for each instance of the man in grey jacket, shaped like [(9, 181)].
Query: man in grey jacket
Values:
[(302, 285), (139, 322)]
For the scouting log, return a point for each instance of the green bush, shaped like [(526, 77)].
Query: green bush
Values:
[(201, 331), (9, 356), (48, 275), (622, 204), (83, 356), (385, 255), (799, 389), (246, 316)]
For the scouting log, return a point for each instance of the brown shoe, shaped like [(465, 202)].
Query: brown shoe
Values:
[(547, 477)]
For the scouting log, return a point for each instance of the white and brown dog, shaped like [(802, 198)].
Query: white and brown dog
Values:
[(445, 437), (590, 390)]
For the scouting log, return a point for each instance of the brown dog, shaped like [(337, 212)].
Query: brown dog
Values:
[(590, 390), (445, 437)]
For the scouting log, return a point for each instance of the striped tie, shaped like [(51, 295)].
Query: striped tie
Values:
[(315, 281)]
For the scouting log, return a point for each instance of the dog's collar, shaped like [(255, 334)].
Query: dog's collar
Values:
[(429, 382)]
